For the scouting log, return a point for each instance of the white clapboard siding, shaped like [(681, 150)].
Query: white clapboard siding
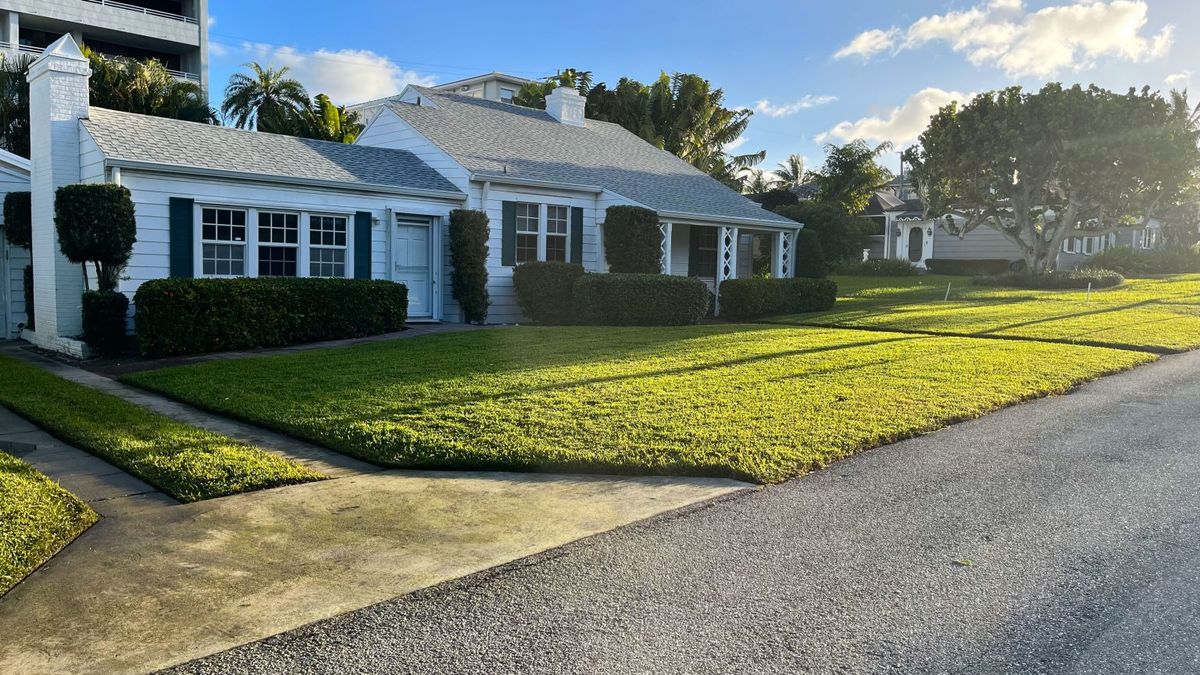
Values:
[(13, 260)]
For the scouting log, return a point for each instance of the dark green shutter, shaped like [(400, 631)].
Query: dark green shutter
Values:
[(182, 237), (577, 235), (362, 245), (508, 234)]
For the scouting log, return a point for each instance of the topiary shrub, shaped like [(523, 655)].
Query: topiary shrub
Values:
[(809, 257), (104, 315), (632, 240), (96, 223), (468, 260), (969, 267), (877, 268), (193, 316), (29, 323), (640, 300), (545, 290), (1071, 279), (18, 219), (746, 299)]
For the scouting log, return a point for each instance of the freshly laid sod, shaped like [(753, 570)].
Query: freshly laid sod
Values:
[(750, 402), (187, 463), (37, 519), (1161, 315)]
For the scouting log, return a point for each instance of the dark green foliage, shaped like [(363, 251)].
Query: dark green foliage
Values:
[(193, 316), (1126, 260), (877, 268), (745, 299), (640, 300), (632, 240), (546, 290), (970, 267), (1073, 279), (29, 297), (18, 219), (468, 260), (96, 223), (809, 256), (843, 237), (14, 103), (773, 200), (104, 321)]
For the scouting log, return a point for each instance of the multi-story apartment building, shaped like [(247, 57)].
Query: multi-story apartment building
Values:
[(174, 32)]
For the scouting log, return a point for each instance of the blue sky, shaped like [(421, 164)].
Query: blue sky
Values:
[(825, 71)]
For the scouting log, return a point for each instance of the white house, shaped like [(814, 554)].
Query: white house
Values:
[(14, 177), (219, 202)]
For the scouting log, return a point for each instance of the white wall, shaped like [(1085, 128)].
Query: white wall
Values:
[(387, 130), (13, 260)]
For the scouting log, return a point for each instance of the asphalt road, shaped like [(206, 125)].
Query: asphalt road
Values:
[(1058, 536)]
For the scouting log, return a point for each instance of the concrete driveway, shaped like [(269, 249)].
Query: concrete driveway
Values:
[(1058, 536)]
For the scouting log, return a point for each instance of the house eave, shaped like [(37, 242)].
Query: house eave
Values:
[(732, 220), (205, 172), (504, 179)]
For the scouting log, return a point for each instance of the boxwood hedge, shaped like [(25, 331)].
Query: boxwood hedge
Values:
[(640, 300), (745, 299), (546, 291)]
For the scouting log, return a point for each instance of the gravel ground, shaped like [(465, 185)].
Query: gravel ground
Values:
[(1058, 536)]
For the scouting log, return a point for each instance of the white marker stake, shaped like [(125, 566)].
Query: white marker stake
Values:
[(1089, 295), (948, 292)]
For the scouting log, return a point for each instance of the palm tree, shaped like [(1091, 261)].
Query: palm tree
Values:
[(757, 182), (145, 87), (851, 174), (262, 97), (791, 172), (320, 120), (14, 103)]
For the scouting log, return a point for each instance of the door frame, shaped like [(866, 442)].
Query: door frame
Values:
[(6, 313), (434, 245)]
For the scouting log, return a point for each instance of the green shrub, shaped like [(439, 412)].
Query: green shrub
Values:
[(18, 219), (96, 223), (29, 297), (843, 236), (877, 268), (745, 299), (192, 316), (468, 261), (104, 315), (640, 300), (632, 240), (1071, 279), (545, 290), (809, 256), (970, 267), (1127, 260)]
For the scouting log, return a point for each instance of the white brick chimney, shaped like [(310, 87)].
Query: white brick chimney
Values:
[(58, 99), (566, 105)]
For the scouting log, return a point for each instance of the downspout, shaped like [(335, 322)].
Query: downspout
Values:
[(115, 175)]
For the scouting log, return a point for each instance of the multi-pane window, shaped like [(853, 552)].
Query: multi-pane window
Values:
[(702, 256), (327, 246), (223, 242), (556, 233), (528, 217), (278, 244)]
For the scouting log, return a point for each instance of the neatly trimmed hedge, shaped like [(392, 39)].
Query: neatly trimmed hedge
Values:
[(546, 290), (96, 223), (192, 316), (1071, 279), (1126, 260), (468, 261), (632, 240), (640, 300), (104, 321), (18, 219), (877, 268), (970, 267), (809, 255), (745, 299), (29, 297)]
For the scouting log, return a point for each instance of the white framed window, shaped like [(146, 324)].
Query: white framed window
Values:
[(278, 244), (1071, 245), (222, 242), (528, 232), (506, 95), (557, 229), (1089, 245), (327, 237)]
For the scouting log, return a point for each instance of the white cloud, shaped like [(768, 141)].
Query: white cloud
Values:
[(869, 44), (1006, 35), (1180, 79), (212, 21), (902, 124), (346, 75), (764, 106), (218, 50), (735, 144)]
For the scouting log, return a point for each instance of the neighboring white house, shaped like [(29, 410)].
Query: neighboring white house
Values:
[(14, 177), (218, 202)]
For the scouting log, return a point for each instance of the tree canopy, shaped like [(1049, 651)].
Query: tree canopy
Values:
[(1039, 167), (851, 174), (267, 100)]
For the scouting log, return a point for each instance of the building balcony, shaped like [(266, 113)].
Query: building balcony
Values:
[(144, 10)]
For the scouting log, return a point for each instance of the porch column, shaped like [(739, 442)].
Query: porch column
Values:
[(782, 265), (727, 251), (665, 250)]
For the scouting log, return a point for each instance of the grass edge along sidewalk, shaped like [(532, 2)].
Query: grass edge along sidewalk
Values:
[(186, 462), (37, 519), (749, 402)]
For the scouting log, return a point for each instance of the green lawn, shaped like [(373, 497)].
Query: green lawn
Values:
[(750, 402), (37, 519), (1161, 315), (187, 463)]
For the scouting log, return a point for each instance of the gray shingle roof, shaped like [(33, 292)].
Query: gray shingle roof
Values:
[(141, 138), (488, 137)]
